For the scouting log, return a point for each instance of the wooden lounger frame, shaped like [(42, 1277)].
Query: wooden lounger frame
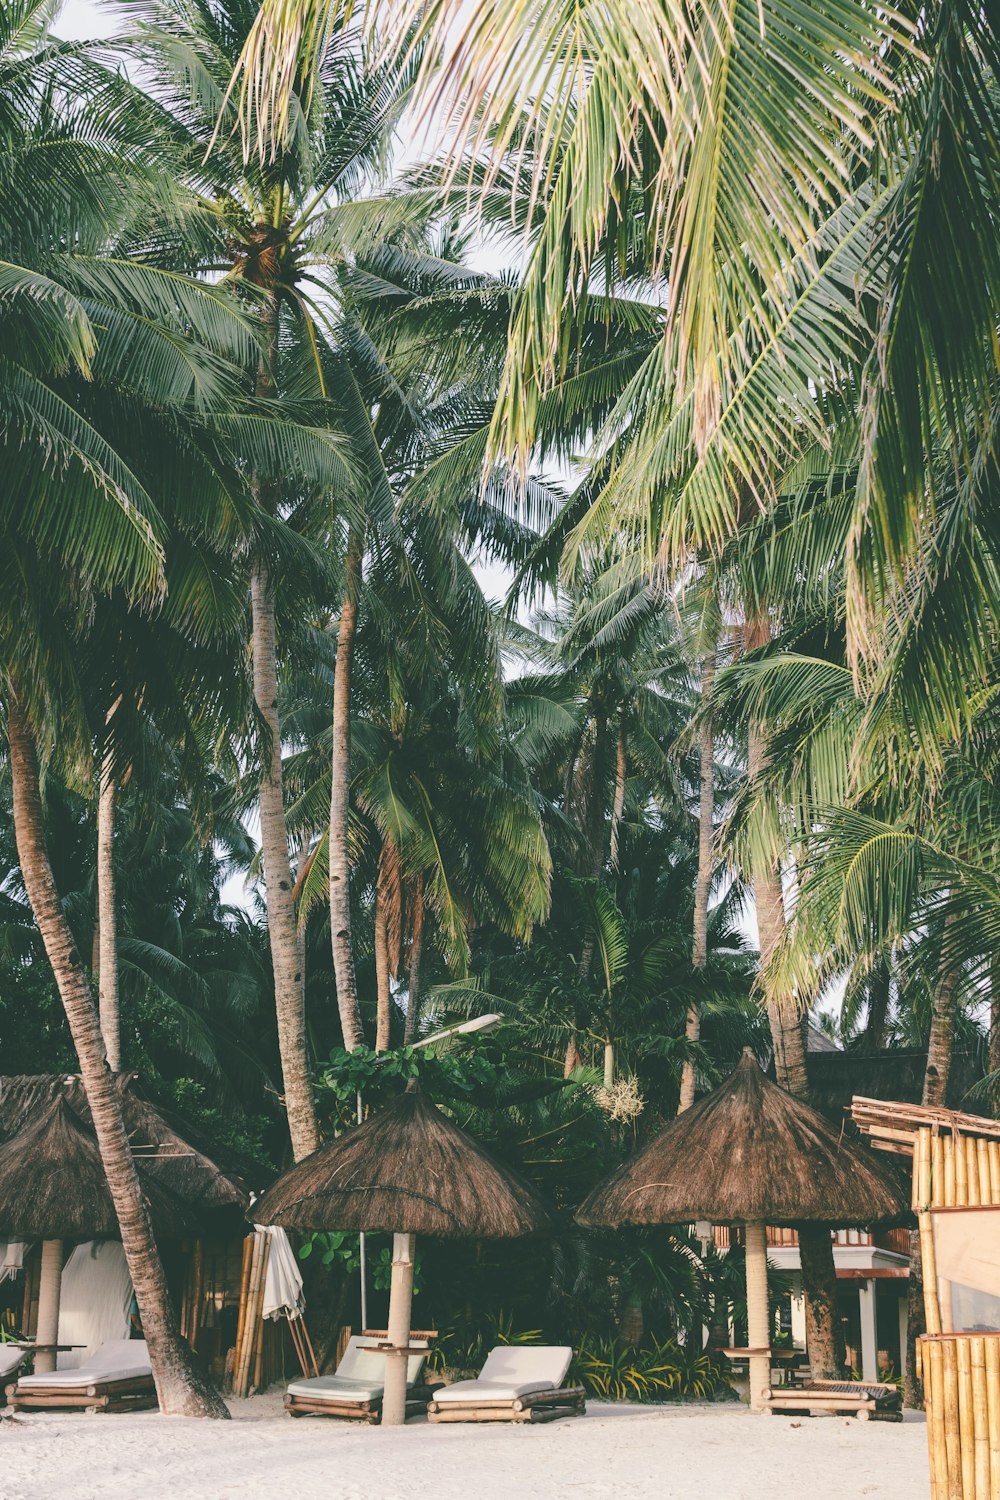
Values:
[(538, 1406), (136, 1393), (364, 1411), (867, 1400)]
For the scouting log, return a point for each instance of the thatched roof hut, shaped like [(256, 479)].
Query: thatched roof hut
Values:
[(749, 1152), (53, 1187), (408, 1169), (168, 1150)]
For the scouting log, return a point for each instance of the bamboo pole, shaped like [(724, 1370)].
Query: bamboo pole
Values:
[(241, 1314), (968, 1145), (241, 1378), (948, 1150), (961, 1171), (932, 1306), (936, 1194), (983, 1158), (966, 1426), (196, 1295), (933, 1368), (952, 1427), (992, 1352), (980, 1419), (993, 1147), (758, 1317), (49, 1288), (400, 1307)]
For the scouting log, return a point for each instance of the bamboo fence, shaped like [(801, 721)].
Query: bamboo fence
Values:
[(956, 1165)]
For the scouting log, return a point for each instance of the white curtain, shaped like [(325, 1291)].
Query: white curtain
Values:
[(95, 1301), (12, 1254), (283, 1282)]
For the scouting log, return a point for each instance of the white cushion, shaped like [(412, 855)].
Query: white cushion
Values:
[(335, 1388), (121, 1359), (10, 1358), (360, 1375), (513, 1370)]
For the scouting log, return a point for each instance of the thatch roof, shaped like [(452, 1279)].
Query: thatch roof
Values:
[(408, 1170), (53, 1187), (749, 1153), (167, 1149)]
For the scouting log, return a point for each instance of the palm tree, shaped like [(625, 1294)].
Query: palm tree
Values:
[(276, 229), (88, 342)]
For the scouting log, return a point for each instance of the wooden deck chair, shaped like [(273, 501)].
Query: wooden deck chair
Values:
[(355, 1390), (116, 1377), (11, 1360), (518, 1383), (866, 1400)]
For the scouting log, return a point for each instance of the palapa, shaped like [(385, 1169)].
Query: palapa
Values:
[(407, 1170), (749, 1153)]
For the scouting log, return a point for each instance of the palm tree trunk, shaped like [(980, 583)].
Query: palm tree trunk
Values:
[(703, 881), (942, 1033), (340, 802), (993, 1062), (282, 927), (819, 1274), (416, 957), (180, 1388), (618, 805), (382, 970), (107, 919), (935, 1091)]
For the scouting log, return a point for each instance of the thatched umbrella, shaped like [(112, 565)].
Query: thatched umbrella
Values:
[(53, 1188), (749, 1154), (407, 1170)]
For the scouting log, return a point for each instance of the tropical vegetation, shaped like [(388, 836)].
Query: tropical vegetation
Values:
[(687, 332)]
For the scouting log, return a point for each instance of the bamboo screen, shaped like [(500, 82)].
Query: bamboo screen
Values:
[(956, 1197)]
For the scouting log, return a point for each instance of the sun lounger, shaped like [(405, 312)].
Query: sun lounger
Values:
[(116, 1377), (517, 1383), (355, 1391), (867, 1400), (11, 1359)]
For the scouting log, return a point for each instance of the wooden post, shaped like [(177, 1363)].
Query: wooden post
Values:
[(758, 1316), (50, 1286), (400, 1304)]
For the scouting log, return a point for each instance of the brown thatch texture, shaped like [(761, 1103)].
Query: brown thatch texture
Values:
[(408, 1170), (749, 1153), (168, 1150), (53, 1187)]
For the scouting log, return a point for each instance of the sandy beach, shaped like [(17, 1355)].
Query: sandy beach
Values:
[(670, 1453)]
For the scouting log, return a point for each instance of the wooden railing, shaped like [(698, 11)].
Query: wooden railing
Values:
[(882, 1239)]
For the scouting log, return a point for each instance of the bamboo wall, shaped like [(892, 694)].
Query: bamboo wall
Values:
[(961, 1371)]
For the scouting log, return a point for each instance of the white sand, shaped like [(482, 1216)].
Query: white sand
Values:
[(638, 1453)]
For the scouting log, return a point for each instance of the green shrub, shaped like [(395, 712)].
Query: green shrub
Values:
[(665, 1371)]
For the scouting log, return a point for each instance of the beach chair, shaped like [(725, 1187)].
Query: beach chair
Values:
[(866, 1400), (355, 1390), (116, 1377), (11, 1360), (518, 1383)]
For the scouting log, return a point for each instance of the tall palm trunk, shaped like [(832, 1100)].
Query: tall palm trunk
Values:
[(416, 959), (993, 1062), (107, 918), (703, 881), (819, 1275), (383, 965), (286, 951), (618, 805), (179, 1386), (340, 802), (935, 1091)]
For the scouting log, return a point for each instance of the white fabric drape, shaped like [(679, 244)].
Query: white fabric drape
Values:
[(12, 1253), (96, 1300), (283, 1282)]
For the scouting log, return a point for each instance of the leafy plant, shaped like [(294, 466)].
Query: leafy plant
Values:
[(616, 1372), (465, 1348), (343, 1250)]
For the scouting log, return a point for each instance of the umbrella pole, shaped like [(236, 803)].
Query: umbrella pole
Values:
[(49, 1288), (758, 1316), (400, 1303)]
